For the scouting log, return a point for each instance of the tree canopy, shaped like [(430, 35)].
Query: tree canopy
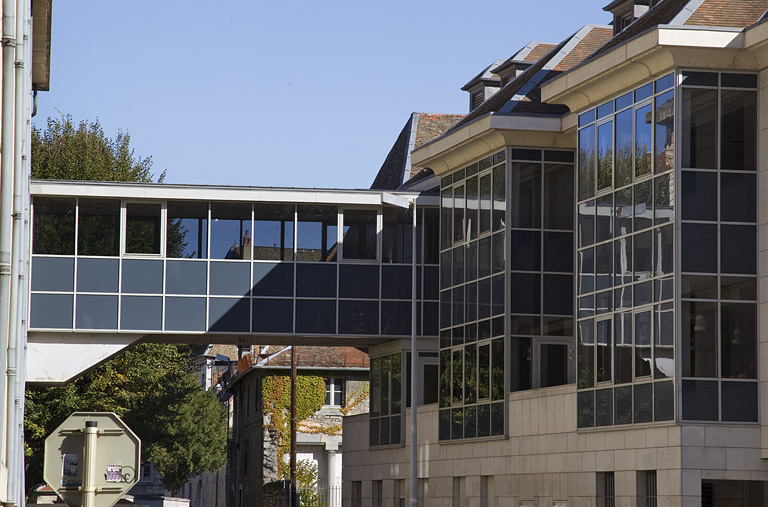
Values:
[(151, 386), (68, 151)]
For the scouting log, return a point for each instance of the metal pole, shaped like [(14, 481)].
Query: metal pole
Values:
[(293, 492), (89, 467), (414, 373)]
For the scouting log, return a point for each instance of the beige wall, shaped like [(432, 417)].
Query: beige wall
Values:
[(545, 460)]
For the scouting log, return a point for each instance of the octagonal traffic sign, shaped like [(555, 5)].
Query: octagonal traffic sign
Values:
[(92, 459)]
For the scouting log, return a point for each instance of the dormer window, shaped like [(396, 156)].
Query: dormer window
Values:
[(625, 12), (476, 99)]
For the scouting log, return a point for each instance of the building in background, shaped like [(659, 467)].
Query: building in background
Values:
[(332, 379)]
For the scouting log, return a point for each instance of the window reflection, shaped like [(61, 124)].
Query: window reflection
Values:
[(316, 235), (665, 125), (359, 234), (605, 156), (142, 228), (396, 236), (98, 227), (230, 230), (699, 128), (187, 235), (643, 123), (699, 339), (587, 162), (273, 232), (54, 226)]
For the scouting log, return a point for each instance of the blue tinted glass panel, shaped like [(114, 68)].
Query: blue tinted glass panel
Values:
[(141, 312), (316, 280), (186, 277), (52, 274), (526, 250), (699, 400), (229, 315), (272, 279), (184, 314), (739, 401), (317, 316), (96, 312), (97, 275), (359, 317), (396, 318), (558, 294), (142, 276), (396, 282), (359, 281), (230, 278), (272, 315), (51, 311)]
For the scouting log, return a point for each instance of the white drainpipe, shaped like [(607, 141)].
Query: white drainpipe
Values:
[(6, 207), (17, 337)]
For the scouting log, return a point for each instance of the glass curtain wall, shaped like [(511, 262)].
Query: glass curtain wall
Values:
[(476, 236), (625, 258), (386, 412), (472, 263), (541, 265), (719, 246)]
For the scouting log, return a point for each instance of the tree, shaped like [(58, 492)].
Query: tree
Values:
[(65, 151), (183, 429), (151, 386)]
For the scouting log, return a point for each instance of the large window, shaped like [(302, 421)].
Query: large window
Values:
[(509, 211), (187, 235), (718, 195), (386, 408), (625, 258)]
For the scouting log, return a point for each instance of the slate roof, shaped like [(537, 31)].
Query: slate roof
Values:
[(428, 127), (731, 13)]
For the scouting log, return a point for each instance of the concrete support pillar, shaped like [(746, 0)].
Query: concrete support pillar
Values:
[(333, 473)]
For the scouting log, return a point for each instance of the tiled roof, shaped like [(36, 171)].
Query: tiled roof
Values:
[(323, 357), (537, 52), (660, 14), (390, 174), (428, 127), (586, 46), (731, 13), (431, 126)]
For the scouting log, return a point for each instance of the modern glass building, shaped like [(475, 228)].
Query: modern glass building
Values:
[(589, 262)]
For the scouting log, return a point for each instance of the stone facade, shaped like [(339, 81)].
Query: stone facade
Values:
[(254, 447)]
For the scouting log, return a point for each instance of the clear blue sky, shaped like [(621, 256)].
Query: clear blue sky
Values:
[(284, 93)]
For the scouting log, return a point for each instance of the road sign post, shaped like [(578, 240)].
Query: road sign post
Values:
[(92, 459)]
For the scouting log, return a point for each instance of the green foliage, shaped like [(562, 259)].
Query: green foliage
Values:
[(182, 428), (276, 399), (306, 481), (65, 151)]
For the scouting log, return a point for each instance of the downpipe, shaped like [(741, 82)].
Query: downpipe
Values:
[(19, 250), (7, 95)]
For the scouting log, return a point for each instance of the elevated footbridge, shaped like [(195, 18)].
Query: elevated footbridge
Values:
[(115, 263)]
